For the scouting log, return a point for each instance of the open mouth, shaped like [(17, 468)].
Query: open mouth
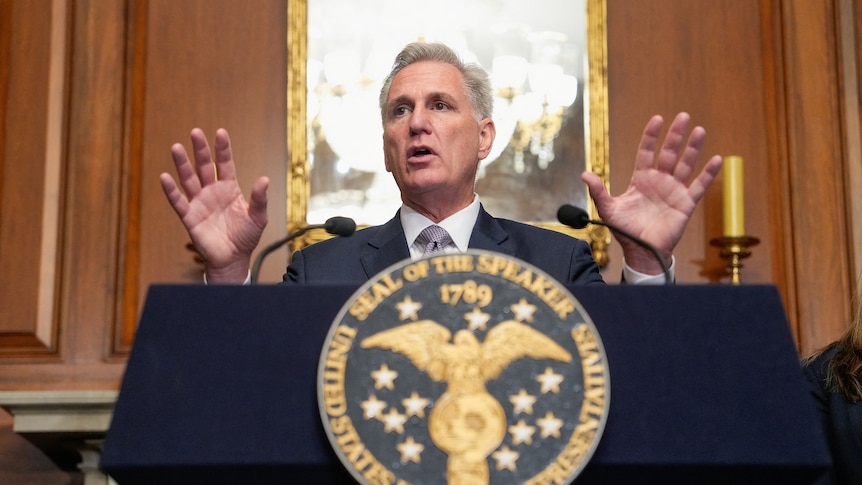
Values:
[(420, 151)]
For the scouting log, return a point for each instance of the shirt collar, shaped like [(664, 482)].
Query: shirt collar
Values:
[(459, 225)]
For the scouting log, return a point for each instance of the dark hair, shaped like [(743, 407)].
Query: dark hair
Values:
[(476, 82)]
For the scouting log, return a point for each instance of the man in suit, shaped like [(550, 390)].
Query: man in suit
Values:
[(437, 126)]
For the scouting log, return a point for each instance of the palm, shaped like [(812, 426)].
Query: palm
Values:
[(652, 196), (219, 224)]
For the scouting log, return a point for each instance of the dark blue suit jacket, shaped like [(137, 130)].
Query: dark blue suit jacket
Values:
[(369, 251), (842, 422)]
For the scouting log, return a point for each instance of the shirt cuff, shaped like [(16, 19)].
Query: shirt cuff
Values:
[(637, 278), (246, 282)]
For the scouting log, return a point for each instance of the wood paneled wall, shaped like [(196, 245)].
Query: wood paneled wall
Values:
[(93, 93), (93, 100)]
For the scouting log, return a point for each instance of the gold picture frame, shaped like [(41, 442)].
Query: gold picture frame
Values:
[(595, 136)]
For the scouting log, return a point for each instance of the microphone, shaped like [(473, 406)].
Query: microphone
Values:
[(578, 218), (338, 226)]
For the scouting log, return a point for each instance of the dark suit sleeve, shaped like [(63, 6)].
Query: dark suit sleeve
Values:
[(583, 269), (295, 273), (817, 388)]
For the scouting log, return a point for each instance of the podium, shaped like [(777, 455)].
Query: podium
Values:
[(706, 387)]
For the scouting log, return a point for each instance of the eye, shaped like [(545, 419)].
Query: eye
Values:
[(440, 105)]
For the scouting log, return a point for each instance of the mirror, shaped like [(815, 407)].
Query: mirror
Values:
[(547, 61)]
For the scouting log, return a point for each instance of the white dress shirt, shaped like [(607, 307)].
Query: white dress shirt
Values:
[(459, 226)]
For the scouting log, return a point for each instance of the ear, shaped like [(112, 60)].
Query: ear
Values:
[(487, 133), (386, 159)]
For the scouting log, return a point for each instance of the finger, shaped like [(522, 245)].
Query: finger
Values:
[(673, 141), (705, 178), (224, 157), (645, 157), (687, 161), (203, 158), (175, 196), (257, 203), (598, 192), (185, 171)]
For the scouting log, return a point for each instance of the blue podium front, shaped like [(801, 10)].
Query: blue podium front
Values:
[(706, 387)]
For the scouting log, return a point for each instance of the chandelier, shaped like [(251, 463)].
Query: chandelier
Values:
[(532, 95)]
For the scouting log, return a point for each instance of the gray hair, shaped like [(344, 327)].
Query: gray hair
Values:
[(476, 81)]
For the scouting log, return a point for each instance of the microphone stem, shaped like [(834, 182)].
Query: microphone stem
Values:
[(255, 270)]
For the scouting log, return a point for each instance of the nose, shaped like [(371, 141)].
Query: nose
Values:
[(419, 121)]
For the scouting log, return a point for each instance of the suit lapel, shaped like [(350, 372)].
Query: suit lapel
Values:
[(488, 234), (385, 248)]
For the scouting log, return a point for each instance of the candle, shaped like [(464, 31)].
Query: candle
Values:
[(734, 206)]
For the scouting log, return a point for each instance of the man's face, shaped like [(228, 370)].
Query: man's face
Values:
[(432, 143)]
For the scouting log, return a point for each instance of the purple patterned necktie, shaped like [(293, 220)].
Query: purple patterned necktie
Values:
[(434, 239)]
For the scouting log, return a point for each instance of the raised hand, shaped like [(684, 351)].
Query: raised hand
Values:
[(661, 196), (223, 226)]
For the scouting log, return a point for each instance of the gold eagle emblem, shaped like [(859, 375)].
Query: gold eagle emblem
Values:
[(466, 422)]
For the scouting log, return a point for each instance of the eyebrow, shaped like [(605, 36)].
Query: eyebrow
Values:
[(398, 101), (434, 95)]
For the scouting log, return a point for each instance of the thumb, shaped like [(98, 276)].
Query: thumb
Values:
[(257, 204), (598, 191)]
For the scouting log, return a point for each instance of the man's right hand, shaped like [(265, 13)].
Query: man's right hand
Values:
[(223, 226)]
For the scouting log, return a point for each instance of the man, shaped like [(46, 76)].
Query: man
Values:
[(437, 126)]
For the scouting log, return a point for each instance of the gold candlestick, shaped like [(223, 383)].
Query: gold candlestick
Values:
[(734, 249)]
